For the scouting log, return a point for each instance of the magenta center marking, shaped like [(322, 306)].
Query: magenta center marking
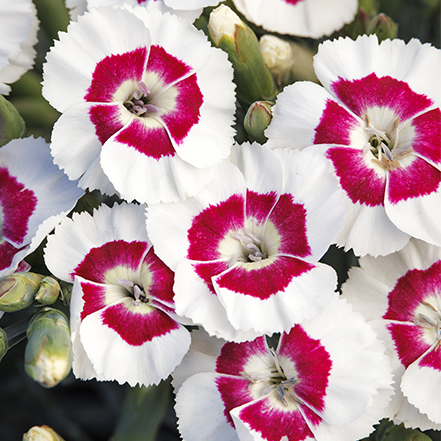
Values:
[(17, 204)]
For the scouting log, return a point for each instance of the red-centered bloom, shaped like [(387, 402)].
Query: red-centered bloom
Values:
[(378, 120), (246, 249), (147, 104), (400, 295), (122, 313), (328, 380), (34, 196), (306, 18)]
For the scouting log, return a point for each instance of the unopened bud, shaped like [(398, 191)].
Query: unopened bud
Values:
[(43, 433), (48, 355), (384, 27), (278, 58), (228, 32), (11, 123), (257, 119), (18, 290), (400, 433), (48, 292), (4, 346)]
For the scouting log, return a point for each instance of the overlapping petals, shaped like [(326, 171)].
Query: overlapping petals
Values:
[(34, 196), (327, 380), (245, 250), (378, 120), (400, 295), (305, 18), (123, 322), (149, 106), (18, 35)]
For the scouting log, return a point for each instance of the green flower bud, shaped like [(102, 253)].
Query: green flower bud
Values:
[(257, 119), (48, 291), (278, 58), (18, 290), (384, 27), (11, 123), (48, 354), (253, 79), (43, 433), (4, 345)]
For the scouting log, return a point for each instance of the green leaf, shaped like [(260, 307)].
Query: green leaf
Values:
[(142, 413)]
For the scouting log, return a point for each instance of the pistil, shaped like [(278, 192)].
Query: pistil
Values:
[(252, 246), (274, 378), (385, 147), (138, 103), (136, 291)]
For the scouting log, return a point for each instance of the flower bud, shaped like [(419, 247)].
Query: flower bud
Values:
[(48, 355), (302, 69), (43, 433), (4, 346), (18, 290), (400, 433), (48, 291), (257, 119), (11, 123), (278, 58), (228, 32), (384, 27)]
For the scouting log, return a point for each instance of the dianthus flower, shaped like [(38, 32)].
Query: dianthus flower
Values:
[(122, 314), (305, 18), (379, 122), (34, 196), (18, 34), (245, 250), (147, 104), (400, 295), (328, 380)]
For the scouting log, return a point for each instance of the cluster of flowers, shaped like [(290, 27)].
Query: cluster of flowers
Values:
[(228, 237)]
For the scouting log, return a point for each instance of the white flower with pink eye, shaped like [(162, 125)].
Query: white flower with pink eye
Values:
[(327, 380), (245, 250), (147, 105), (18, 35), (34, 196), (305, 18), (378, 120), (400, 295), (123, 323)]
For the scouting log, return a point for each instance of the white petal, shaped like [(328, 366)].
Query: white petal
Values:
[(422, 387), (261, 167), (368, 230), (414, 63), (69, 67), (359, 365), (308, 178), (74, 238), (138, 176), (200, 410), (146, 364), (76, 149), (296, 114), (309, 18), (201, 357), (304, 297), (194, 300), (418, 216)]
